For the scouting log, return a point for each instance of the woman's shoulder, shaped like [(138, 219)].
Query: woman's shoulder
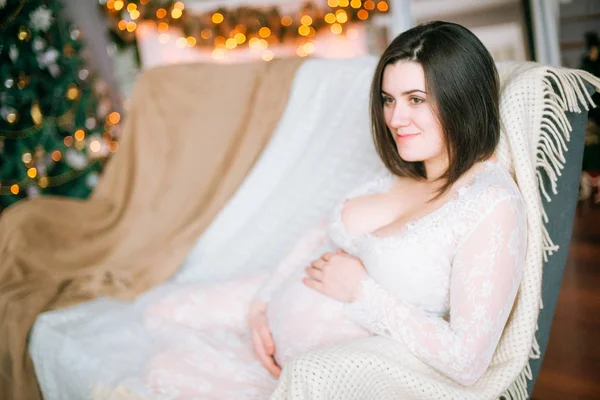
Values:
[(493, 185)]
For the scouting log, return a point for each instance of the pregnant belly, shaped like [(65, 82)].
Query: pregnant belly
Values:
[(302, 319)]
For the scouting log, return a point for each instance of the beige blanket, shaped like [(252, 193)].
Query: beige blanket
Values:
[(192, 134)]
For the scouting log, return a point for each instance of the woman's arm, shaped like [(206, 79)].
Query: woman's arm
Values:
[(486, 273)]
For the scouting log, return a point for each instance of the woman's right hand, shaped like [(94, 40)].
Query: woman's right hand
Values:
[(262, 341)]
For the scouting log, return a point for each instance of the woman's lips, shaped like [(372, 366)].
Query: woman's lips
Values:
[(406, 136)]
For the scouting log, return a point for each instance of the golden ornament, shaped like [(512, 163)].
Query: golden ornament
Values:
[(12, 117), (72, 92), (23, 33), (36, 114)]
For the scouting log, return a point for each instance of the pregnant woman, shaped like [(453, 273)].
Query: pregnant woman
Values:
[(429, 252)]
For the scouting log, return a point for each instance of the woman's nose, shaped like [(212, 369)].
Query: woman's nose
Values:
[(400, 117)]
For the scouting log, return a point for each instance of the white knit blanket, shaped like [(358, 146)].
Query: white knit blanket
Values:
[(535, 133)]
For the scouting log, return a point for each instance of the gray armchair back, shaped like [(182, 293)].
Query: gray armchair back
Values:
[(561, 213)]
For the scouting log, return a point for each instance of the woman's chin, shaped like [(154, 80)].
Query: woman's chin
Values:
[(409, 156)]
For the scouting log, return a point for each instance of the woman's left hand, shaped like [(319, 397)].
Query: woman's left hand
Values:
[(336, 275)]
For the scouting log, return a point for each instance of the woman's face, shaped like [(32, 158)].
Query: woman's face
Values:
[(409, 114)]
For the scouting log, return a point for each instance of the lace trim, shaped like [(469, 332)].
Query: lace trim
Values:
[(382, 183)]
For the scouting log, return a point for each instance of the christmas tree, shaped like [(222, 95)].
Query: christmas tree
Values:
[(56, 124)]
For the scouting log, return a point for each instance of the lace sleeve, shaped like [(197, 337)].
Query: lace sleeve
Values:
[(486, 273), (315, 237)]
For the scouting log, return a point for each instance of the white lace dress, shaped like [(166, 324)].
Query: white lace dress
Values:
[(444, 286)]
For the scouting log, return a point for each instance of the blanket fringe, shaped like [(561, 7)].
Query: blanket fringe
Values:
[(564, 90)]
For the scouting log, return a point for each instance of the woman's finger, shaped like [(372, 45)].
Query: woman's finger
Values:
[(274, 370), (327, 256), (259, 347), (318, 286), (265, 359), (315, 273), (318, 264), (267, 340)]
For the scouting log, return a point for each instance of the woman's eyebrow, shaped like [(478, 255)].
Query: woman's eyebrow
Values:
[(405, 93)]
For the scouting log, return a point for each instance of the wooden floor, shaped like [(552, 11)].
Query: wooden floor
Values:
[(571, 367)]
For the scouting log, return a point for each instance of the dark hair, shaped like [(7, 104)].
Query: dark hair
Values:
[(461, 77)]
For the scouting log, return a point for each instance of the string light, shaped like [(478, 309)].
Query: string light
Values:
[(231, 43), (341, 16), (220, 41), (206, 34), (181, 42), (217, 18), (95, 146), (336, 29), (162, 27), (227, 30), (306, 20), (303, 30), (309, 47), (218, 54), (176, 13), (161, 13), (267, 55), (264, 32), (240, 38), (114, 118)]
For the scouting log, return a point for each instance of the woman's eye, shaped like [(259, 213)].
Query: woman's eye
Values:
[(415, 100), (387, 100)]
